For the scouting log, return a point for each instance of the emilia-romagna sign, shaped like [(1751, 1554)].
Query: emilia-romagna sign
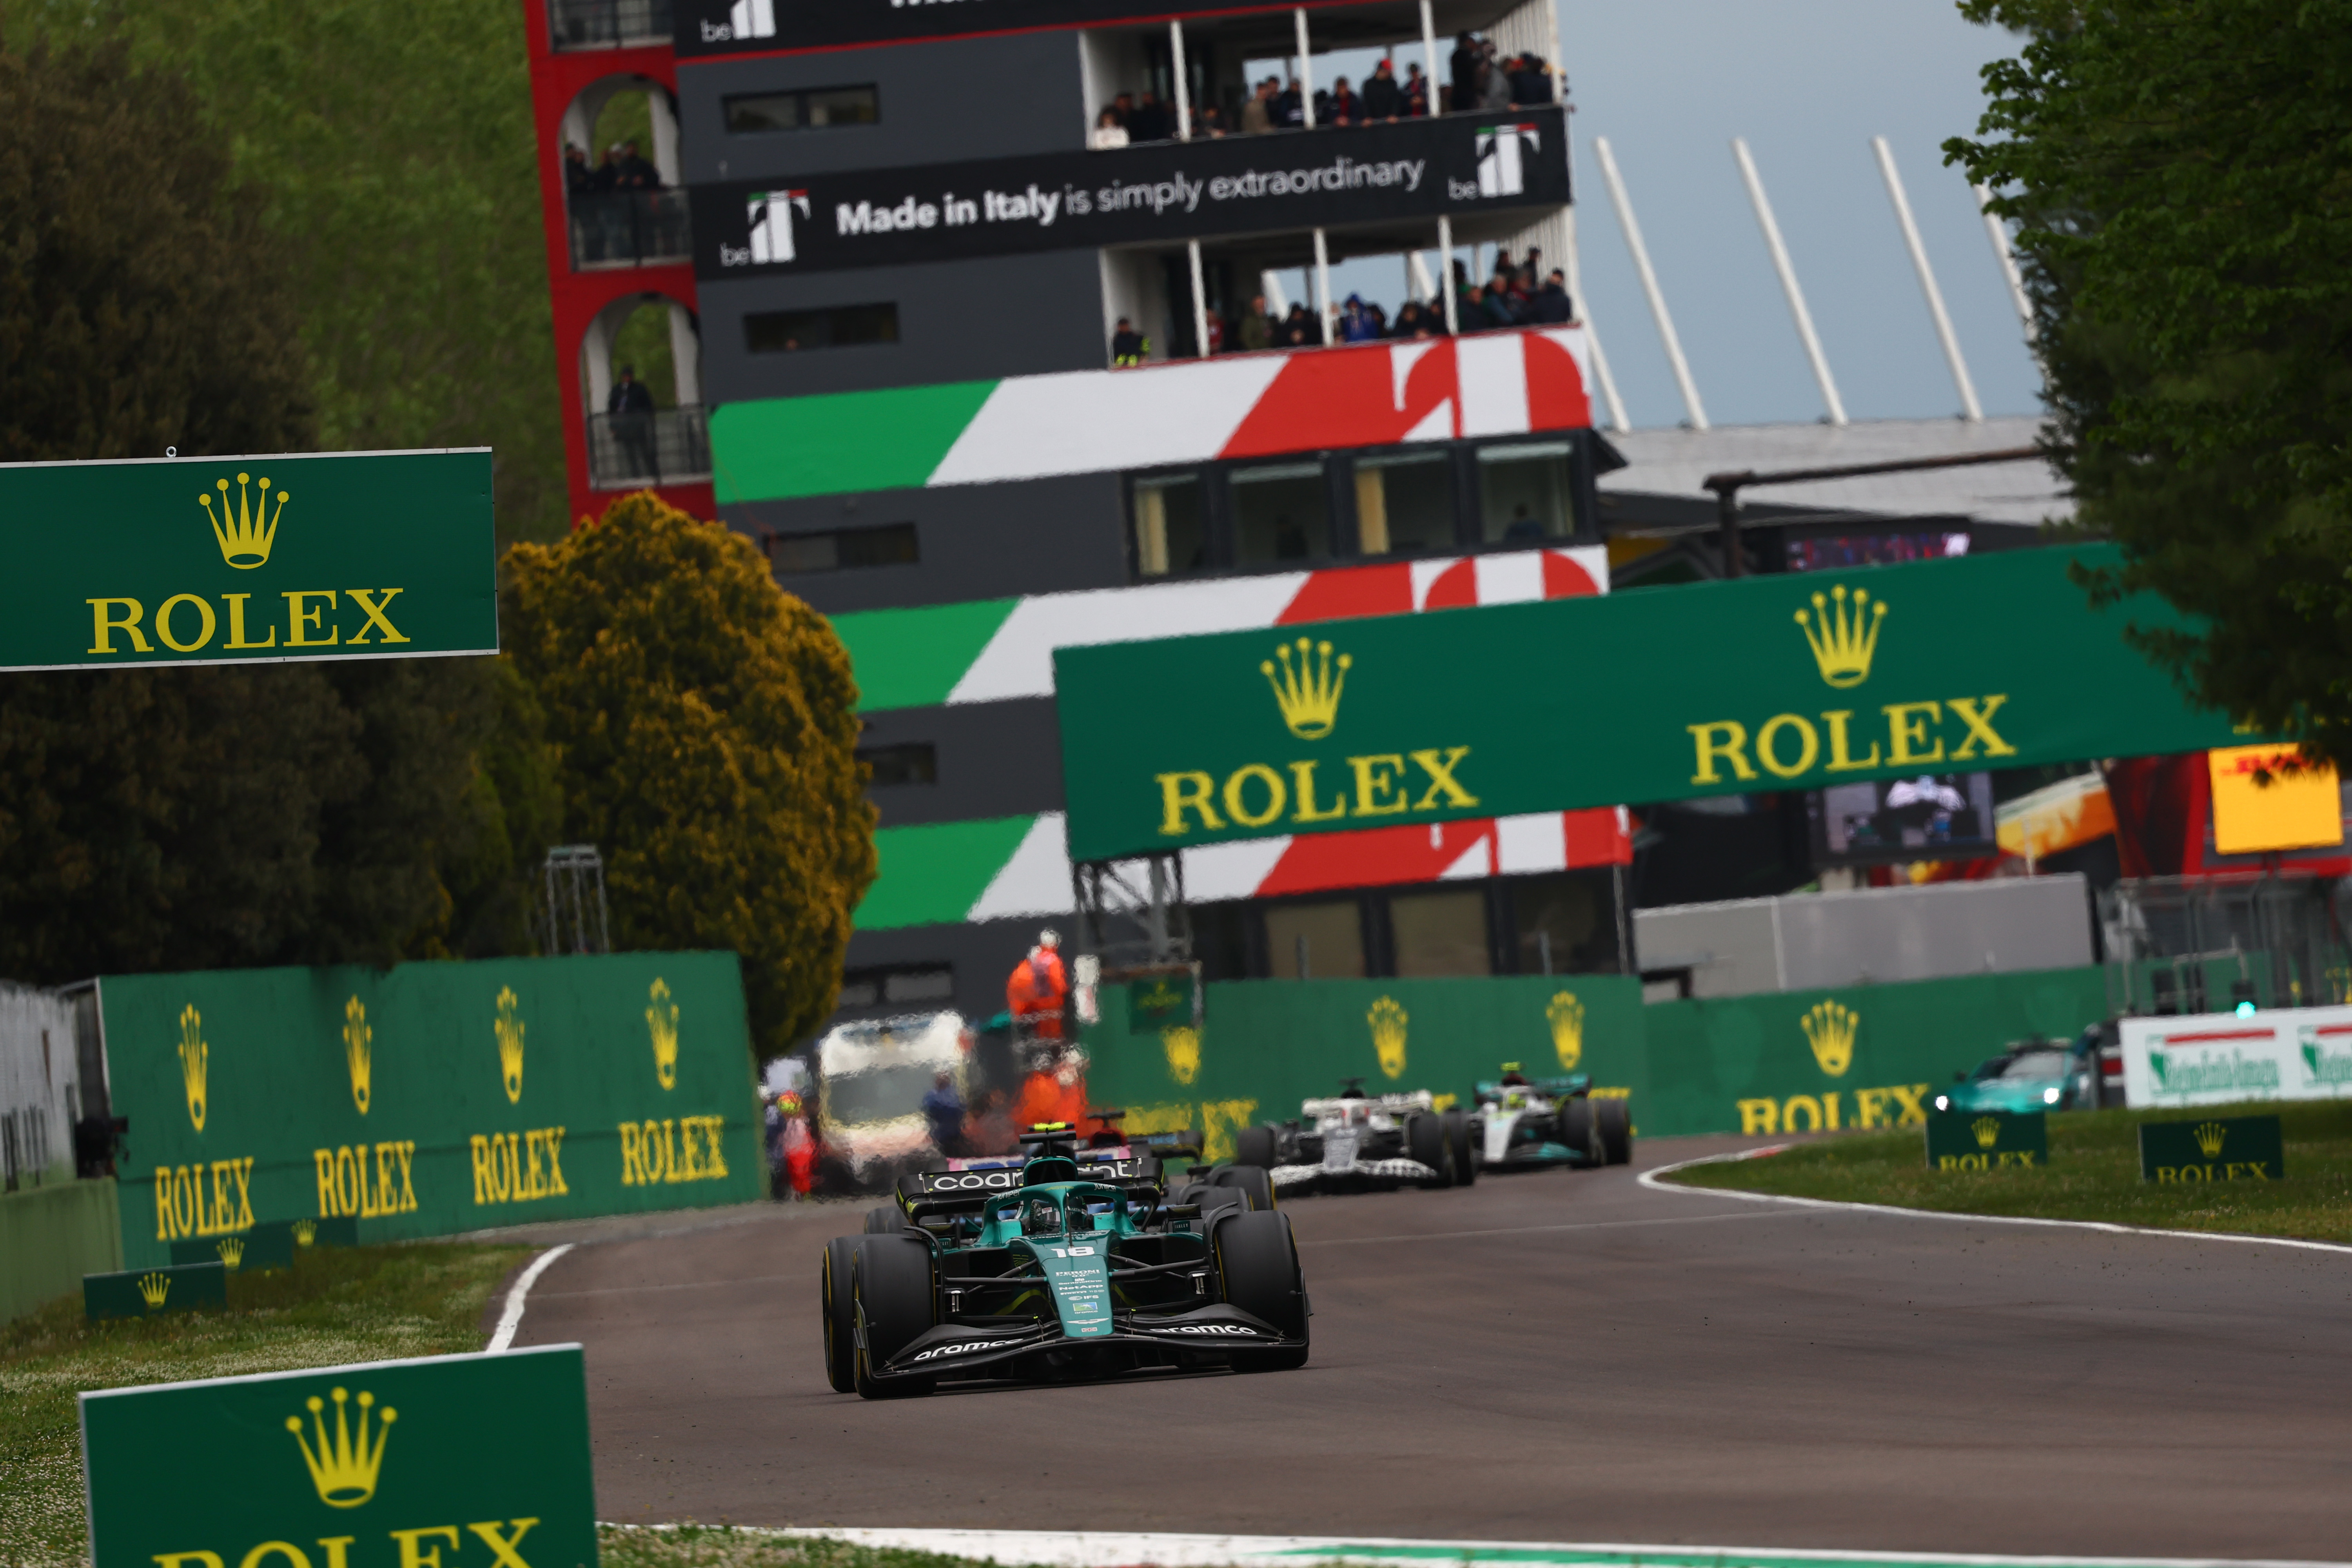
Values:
[(466, 1461), (1787, 682), (222, 560)]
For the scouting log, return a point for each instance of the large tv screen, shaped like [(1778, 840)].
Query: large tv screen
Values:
[(1934, 816)]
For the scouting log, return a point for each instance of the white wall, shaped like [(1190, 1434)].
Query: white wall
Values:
[(40, 1084)]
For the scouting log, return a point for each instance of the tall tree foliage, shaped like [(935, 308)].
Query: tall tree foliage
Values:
[(2182, 173), (192, 819), (707, 723)]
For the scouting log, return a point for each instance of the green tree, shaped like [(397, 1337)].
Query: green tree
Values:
[(707, 725), (2183, 174)]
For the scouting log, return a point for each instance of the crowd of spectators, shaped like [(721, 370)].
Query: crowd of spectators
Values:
[(623, 169), (1481, 79)]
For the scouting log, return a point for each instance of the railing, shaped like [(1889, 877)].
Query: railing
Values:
[(629, 228), (627, 450), (606, 24)]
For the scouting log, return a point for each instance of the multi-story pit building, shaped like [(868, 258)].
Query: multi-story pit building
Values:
[(892, 260)]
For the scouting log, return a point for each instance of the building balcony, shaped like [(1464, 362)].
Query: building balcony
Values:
[(607, 23), (629, 228), (631, 451)]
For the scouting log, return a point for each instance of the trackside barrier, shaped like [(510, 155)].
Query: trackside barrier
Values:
[(428, 1099), (1796, 1061), (51, 1235)]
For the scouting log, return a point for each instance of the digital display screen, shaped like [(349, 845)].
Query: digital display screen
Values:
[(1933, 816)]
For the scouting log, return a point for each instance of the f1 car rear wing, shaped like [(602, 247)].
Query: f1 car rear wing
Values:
[(1568, 1088), (1388, 1104), (972, 1183)]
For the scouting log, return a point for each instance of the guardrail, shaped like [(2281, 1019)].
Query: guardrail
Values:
[(629, 228), (668, 446)]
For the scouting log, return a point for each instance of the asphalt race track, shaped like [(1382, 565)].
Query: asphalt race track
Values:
[(1551, 1356)]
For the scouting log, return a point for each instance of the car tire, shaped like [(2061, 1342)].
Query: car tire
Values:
[(840, 1326), (1462, 1144), (1255, 1146), (1253, 1182), (892, 1291), (1616, 1126), (1258, 1270), (882, 1219), (1576, 1130), (1424, 1140)]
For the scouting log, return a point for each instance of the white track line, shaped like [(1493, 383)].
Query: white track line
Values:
[(1109, 1549), (510, 1318), (1535, 1229), (1649, 1179)]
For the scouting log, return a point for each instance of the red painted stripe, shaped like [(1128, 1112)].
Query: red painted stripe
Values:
[(1343, 592), (1342, 397), (2220, 1035)]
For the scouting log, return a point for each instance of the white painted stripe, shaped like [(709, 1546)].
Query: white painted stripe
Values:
[(1109, 1549), (1036, 879), (1536, 842), (1479, 860), (1213, 872), (511, 1318), (1098, 421), (1650, 1179), (1492, 374), (1514, 579), (1019, 659)]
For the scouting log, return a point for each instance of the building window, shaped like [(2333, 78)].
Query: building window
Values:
[(896, 987), (1404, 503), (892, 544), (1171, 532), (810, 109), (1567, 923), (828, 327), (1441, 932), (887, 766), (1315, 941), (1523, 493), (1279, 516)]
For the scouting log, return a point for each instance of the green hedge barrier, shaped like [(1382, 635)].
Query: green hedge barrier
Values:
[(429, 1098)]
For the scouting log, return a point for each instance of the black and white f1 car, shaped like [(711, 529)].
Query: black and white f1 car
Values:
[(1550, 1121), (1359, 1142), (1069, 1263)]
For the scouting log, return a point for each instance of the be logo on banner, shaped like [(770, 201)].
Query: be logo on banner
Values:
[(466, 1461)]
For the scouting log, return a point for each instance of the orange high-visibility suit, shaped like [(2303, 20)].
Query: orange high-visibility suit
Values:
[(1036, 991)]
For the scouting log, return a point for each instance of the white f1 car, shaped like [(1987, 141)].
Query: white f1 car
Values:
[(1359, 1142), (1551, 1122)]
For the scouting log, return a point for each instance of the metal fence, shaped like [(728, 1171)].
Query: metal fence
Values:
[(40, 1086), (663, 447), (604, 23), (629, 228), (2205, 944)]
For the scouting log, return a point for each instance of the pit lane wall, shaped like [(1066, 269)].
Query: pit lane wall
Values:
[(429, 1098), (1797, 1061)]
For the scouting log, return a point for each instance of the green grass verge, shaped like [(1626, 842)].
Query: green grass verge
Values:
[(708, 1546), (337, 1305), (2093, 1173)]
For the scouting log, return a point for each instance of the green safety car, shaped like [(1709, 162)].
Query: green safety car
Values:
[(1067, 1264)]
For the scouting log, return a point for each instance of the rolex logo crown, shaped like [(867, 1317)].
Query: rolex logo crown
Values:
[(231, 1249), (1565, 1013), (357, 1057), (306, 1231), (154, 1289), (245, 529), (1988, 1130), (1388, 1019), (510, 1027), (2210, 1136), (661, 1017), (195, 1059), (1181, 1043), (1308, 693), (344, 1470), (1844, 636), (1829, 1028)]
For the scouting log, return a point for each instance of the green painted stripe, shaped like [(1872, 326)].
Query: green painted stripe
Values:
[(912, 658), (932, 875), (779, 447)]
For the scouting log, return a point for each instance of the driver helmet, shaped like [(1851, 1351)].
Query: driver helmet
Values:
[(1041, 1217)]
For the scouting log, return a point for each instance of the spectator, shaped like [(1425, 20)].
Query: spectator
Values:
[(1125, 104), (1298, 329), (579, 179), (1347, 109), (1288, 107), (1416, 93), (1128, 348), (630, 406), (1150, 122), (1216, 332), (1257, 331), (1380, 320), (1382, 100), (1209, 122), (1463, 66), (1322, 106), (1551, 304), (1411, 322), (1531, 272), (1494, 82), (943, 1112), (1109, 131), (1356, 324), (1499, 307), (633, 172), (1257, 115), (1530, 82)]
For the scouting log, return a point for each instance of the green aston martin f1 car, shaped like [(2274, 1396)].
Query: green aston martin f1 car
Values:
[(1067, 1264)]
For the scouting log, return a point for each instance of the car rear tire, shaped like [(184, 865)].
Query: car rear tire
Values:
[(1253, 1182), (1258, 1270), (884, 1220), (840, 1327), (1616, 1119), (1576, 1130), (890, 1290), (1255, 1146), (1425, 1142), (1462, 1144)]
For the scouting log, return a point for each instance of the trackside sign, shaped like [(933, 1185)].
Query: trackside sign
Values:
[(227, 560), (464, 1461), (1772, 683)]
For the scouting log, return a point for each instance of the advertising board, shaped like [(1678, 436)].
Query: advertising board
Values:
[(2212, 1058), (707, 28)]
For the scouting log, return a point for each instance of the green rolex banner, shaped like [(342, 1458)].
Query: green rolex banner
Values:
[(223, 560), (1787, 682), (322, 1106), (143, 1292), (463, 1461), (1987, 1140), (2213, 1149)]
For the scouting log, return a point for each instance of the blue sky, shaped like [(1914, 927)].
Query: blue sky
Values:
[(1808, 83)]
